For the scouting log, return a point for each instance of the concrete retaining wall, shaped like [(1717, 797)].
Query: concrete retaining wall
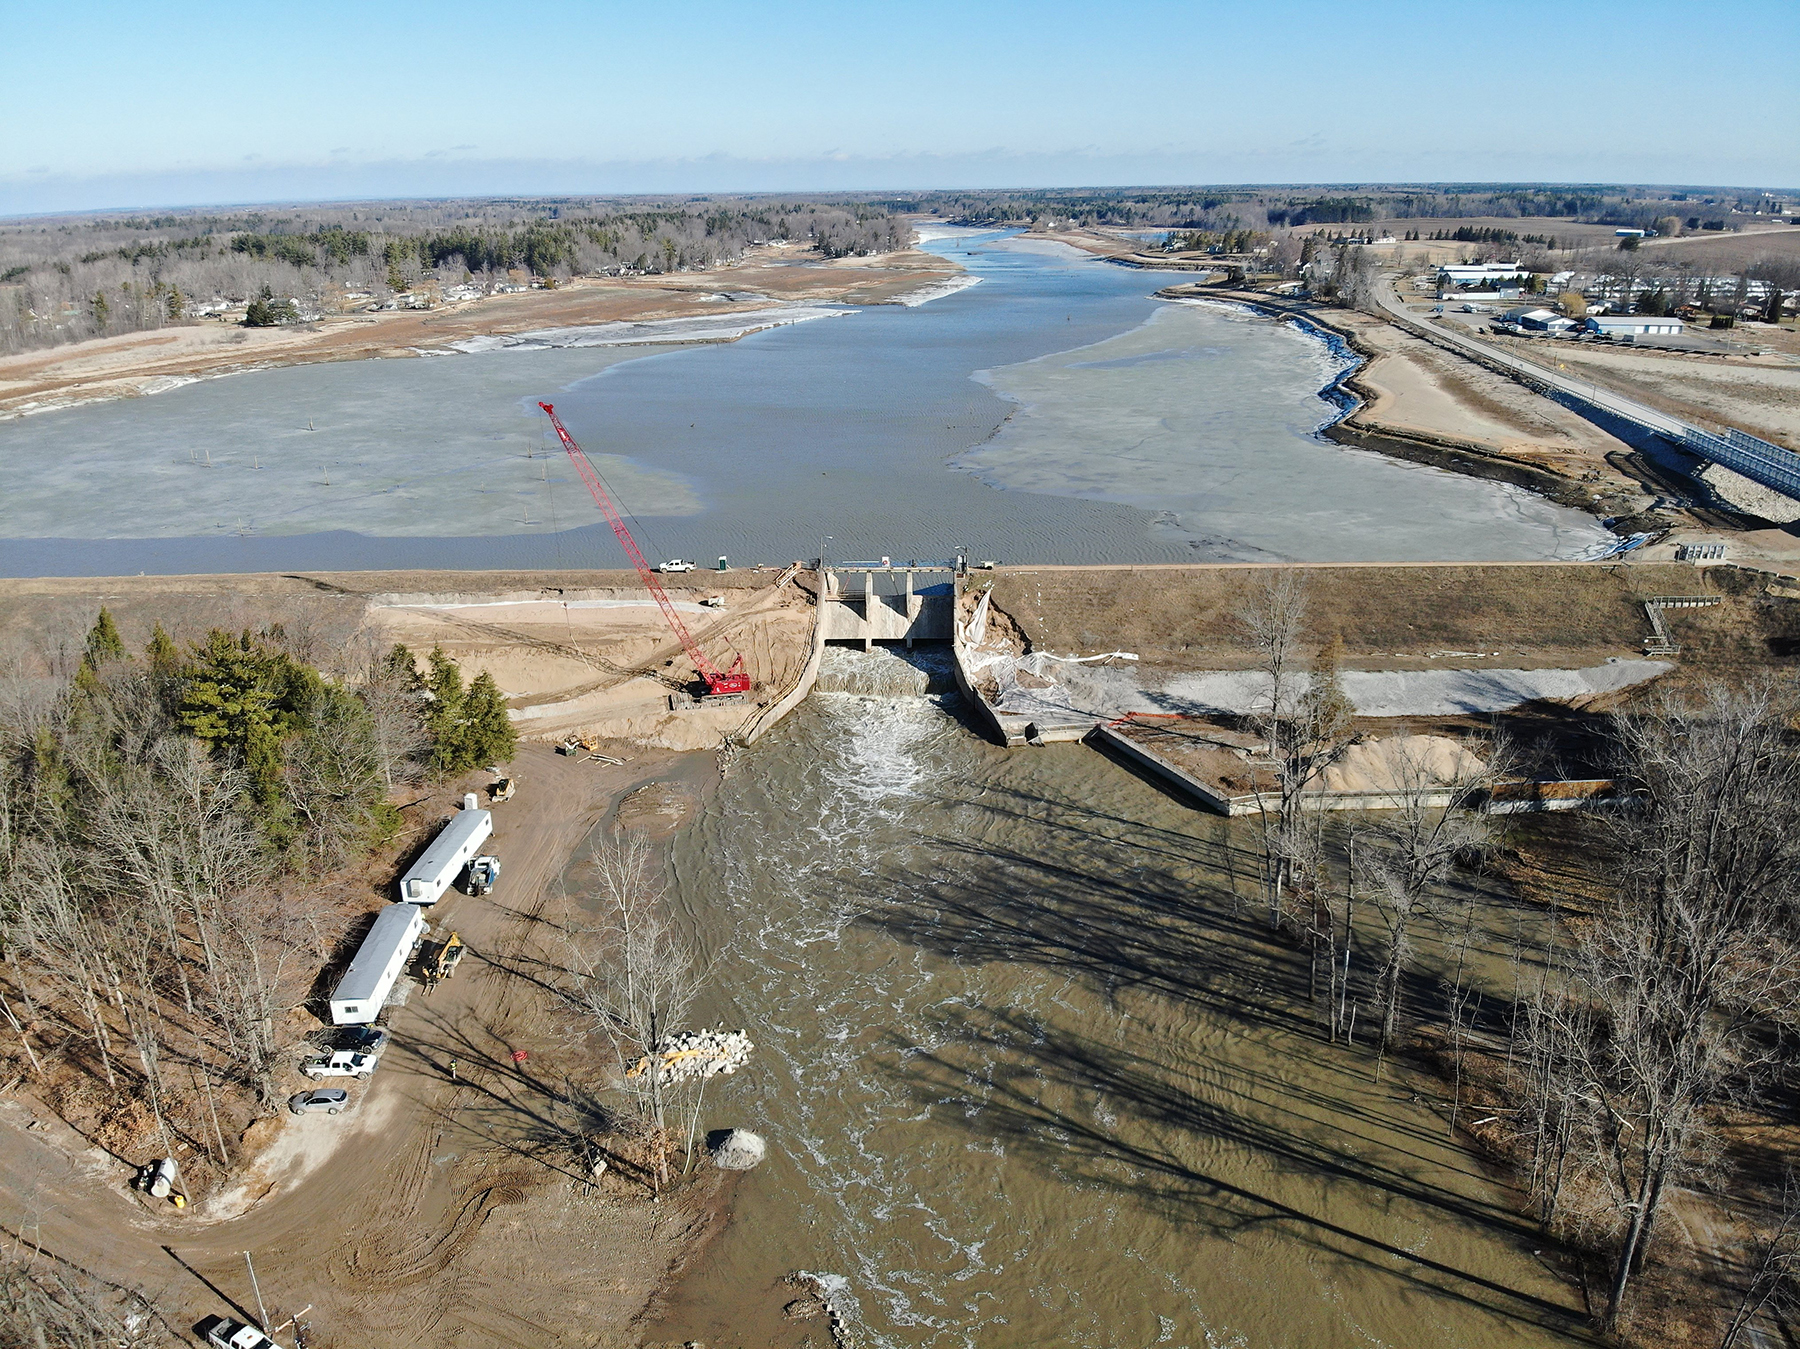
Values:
[(803, 686), (1184, 783), (1514, 798)]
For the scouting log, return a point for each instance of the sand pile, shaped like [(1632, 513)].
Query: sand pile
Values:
[(1402, 762)]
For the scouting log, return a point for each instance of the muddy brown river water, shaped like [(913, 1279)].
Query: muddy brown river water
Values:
[(1028, 1080)]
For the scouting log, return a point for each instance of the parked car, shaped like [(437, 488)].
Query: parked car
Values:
[(342, 1063), (676, 564), (228, 1334), (329, 1099), (370, 1040)]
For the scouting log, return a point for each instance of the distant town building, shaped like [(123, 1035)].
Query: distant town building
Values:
[(1480, 273), (1632, 325), (1538, 320)]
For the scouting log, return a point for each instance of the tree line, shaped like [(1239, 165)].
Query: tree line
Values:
[(1654, 1014), (71, 280), (1282, 208), (166, 818)]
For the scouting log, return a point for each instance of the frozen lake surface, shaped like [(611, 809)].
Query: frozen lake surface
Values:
[(1053, 413)]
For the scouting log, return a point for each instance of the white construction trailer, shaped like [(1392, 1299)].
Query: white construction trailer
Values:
[(447, 854), (379, 961)]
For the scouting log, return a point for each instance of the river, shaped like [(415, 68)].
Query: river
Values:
[(1054, 412), (1027, 1079)]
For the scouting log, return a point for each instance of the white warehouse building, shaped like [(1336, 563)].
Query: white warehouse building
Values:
[(447, 854), (1480, 273), (378, 962), (1633, 325)]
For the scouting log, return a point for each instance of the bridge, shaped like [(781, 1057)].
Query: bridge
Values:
[(1769, 466)]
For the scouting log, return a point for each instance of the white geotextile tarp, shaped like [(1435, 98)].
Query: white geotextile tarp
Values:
[(1107, 692)]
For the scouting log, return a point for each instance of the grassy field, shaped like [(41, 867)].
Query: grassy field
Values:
[(1396, 617)]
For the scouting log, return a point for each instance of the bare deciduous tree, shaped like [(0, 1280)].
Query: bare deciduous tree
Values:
[(1413, 847), (1305, 719), (1774, 1285), (44, 1302), (1658, 1016), (632, 977)]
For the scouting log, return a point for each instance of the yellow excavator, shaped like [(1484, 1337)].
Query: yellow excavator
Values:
[(444, 961)]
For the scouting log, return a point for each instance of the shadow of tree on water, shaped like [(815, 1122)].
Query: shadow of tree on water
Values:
[(1241, 1127)]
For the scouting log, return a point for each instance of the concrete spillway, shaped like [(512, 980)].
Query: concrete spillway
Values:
[(888, 604)]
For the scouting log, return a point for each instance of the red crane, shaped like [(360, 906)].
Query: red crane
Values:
[(718, 682)]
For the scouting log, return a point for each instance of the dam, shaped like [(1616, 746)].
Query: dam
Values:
[(867, 603)]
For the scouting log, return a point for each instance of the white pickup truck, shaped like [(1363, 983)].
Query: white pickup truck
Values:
[(228, 1334), (342, 1063), (676, 564)]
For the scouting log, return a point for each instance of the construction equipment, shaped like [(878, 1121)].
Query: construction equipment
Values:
[(733, 682), (444, 962), (502, 789), (483, 872)]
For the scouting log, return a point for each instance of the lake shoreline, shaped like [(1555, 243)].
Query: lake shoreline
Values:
[(1355, 429), (147, 363)]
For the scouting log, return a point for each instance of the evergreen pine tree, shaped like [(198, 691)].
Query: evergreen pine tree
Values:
[(104, 646), (162, 654), (103, 641), (445, 719), (400, 666), (237, 698), (489, 737)]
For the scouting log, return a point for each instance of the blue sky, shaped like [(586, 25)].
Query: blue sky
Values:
[(142, 104)]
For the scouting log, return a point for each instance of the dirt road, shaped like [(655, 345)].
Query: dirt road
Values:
[(435, 1210)]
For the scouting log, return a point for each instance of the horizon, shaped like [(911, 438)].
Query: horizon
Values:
[(183, 106), (1471, 187)]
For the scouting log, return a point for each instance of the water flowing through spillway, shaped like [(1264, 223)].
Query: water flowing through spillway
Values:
[(1028, 1080)]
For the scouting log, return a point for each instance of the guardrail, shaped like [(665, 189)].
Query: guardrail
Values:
[(1755, 459)]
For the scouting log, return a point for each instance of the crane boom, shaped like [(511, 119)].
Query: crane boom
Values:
[(718, 682)]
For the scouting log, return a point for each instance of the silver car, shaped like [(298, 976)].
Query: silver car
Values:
[(329, 1099)]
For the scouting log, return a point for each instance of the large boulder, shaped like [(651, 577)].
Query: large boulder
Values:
[(737, 1149)]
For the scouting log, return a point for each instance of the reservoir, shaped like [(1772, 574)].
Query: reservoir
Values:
[(1053, 412)]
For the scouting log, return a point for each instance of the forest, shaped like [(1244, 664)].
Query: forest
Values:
[(171, 822), (1261, 208), (66, 280)]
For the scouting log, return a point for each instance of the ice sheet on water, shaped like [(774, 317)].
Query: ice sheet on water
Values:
[(926, 294), (699, 328)]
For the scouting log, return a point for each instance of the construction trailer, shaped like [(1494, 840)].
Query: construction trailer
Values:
[(447, 854), (378, 962)]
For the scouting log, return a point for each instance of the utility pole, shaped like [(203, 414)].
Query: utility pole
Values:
[(262, 1312)]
